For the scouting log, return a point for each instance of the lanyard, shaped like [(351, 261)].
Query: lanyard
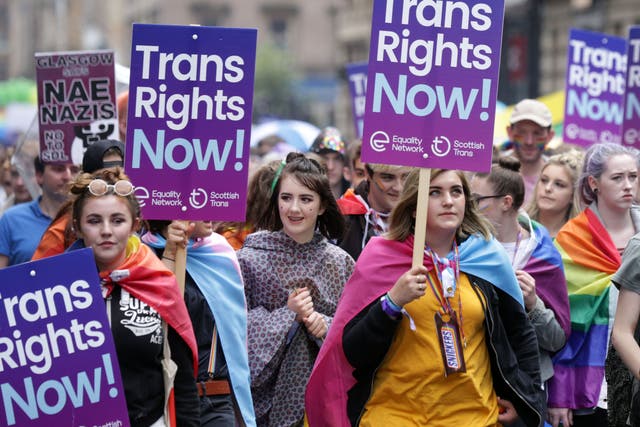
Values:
[(442, 294), (439, 291), (515, 249)]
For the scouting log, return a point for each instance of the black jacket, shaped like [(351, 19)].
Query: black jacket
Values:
[(351, 241), (512, 345)]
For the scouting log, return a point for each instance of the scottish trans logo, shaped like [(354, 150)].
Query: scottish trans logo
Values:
[(440, 146), (198, 198)]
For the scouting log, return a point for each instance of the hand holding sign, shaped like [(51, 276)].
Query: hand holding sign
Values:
[(432, 85), (189, 120)]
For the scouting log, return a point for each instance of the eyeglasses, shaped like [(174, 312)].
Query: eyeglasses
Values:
[(478, 198), (99, 187)]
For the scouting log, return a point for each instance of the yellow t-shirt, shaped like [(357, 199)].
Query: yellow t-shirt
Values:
[(410, 388)]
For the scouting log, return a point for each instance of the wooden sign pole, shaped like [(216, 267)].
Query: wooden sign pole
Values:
[(421, 217), (181, 264)]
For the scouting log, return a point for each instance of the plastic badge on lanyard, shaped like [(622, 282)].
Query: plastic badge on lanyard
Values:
[(448, 283)]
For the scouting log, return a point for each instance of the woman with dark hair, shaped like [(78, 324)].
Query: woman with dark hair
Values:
[(379, 364), (591, 245), (293, 279), (142, 299), (537, 263), (214, 294)]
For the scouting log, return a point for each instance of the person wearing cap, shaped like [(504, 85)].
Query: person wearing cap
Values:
[(22, 226), (368, 207), (530, 131), (59, 235), (330, 145)]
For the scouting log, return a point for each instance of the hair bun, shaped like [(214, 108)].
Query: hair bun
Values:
[(509, 162)]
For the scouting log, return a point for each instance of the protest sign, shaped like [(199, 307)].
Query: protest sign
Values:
[(432, 83), (595, 82), (76, 103), (57, 358), (631, 120), (357, 75), (189, 120)]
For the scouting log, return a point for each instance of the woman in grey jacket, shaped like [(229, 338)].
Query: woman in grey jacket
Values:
[(536, 261)]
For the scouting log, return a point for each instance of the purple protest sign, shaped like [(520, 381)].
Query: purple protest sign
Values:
[(432, 83), (76, 103), (57, 358), (631, 120), (596, 67), (357, 75), (189, 121)]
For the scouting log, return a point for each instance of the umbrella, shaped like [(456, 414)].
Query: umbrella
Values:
[(296, 133)]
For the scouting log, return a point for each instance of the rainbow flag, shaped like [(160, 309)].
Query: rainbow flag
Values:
[(590, 258)]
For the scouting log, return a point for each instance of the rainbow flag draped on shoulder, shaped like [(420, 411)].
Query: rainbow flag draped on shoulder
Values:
[(590, 258)]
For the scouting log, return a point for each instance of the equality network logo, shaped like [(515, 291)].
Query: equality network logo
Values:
[(142, 194), (440, 146), (379, 141)]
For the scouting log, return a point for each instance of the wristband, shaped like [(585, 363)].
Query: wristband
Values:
[(388, 309), (392, 303), (170, 259)]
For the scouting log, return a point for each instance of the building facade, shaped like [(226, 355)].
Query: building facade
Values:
[(304, 30), (318, 37)]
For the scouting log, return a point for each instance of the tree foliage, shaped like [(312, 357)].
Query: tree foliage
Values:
[(275, 79)]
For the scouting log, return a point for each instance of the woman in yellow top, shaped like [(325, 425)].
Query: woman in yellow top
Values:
[(445, 344)]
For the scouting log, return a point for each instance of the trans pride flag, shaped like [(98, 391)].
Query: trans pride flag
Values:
[(382, 261), (590, 258)]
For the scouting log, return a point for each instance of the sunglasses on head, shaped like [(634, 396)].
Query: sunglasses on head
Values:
[(99, 187)]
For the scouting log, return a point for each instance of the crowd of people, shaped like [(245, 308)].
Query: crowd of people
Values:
[(313, 311)]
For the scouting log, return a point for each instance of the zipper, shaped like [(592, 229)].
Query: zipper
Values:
[(495, 352)]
